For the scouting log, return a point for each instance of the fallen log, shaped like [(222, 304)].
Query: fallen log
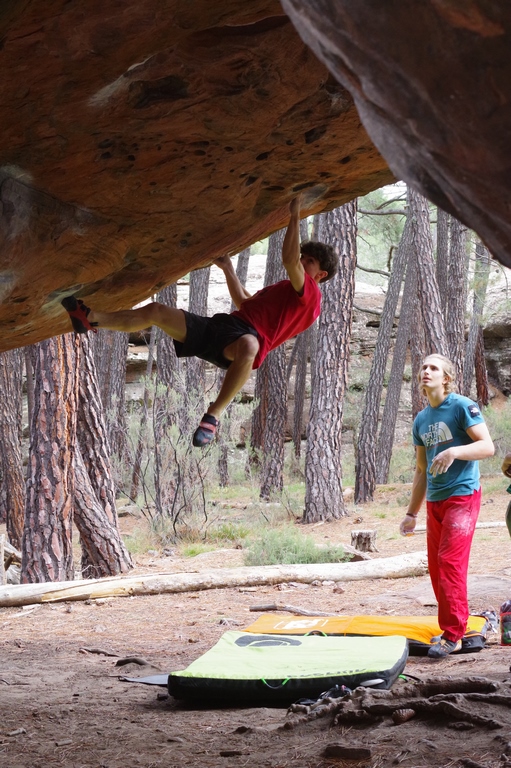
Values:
[(496, 524), (401, 566)]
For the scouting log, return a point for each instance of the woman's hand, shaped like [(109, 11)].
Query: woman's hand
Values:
[(442, 462), (408, 524)]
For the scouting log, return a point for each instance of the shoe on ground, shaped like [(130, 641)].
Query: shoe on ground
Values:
[(78, 313), (443, 648), (205, 432)]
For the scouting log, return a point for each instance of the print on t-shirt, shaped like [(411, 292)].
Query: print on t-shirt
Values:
[(436, 434)]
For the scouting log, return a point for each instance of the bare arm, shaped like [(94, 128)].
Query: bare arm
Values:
[(237, 292), (419, 486), (481, 447), (291, 248)]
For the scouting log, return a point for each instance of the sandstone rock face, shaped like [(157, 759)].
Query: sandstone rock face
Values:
[(432, 84), (497, 349), (143, 139)]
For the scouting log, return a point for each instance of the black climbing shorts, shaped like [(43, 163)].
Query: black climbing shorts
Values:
[(207, 337)]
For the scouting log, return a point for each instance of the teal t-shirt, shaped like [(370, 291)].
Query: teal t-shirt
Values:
[(445, 427)]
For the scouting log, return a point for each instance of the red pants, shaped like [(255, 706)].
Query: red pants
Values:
[(450, 529)]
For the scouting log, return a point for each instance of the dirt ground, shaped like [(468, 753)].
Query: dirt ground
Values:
[(63, 705)]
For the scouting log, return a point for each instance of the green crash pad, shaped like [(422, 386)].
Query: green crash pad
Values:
[(276, 670)]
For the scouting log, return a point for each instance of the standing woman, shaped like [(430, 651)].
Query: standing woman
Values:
[(450, 436)]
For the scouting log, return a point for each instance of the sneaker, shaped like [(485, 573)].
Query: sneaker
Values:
[(205, 432), (444, 648), (78, 313)]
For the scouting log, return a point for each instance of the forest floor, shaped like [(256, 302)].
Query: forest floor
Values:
[(62, 705)]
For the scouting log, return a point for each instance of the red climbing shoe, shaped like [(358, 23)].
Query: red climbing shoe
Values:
[(78, 312), (205, 432)]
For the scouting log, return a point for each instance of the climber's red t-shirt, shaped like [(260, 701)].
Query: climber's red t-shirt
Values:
[(278, 313)]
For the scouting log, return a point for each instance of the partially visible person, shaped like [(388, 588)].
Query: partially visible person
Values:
[(450, 436), (506, 468), (240, 341), (506, 465)]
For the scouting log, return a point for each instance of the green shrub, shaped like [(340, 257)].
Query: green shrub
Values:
[(192, 550), (140, 540), (287, 546), (228, 532)]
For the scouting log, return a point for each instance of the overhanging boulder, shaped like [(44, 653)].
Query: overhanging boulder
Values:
[(141, 140), (432, 84)]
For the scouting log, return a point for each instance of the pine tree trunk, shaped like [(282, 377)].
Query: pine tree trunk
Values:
[(97, 486), (429, 295), (483, 393), (300, 354), (418, 353), (224, 433), (481, 276), (198, 304), (392, 400), (442, 254), (47, 553), (12, 479), (365, 472), (29, 369), (142, 432), (272, 474), (456, 303), (110, 350), (275, 382), (302, 349), (274, 272), (168, 403), (323, 461), (103, 550)]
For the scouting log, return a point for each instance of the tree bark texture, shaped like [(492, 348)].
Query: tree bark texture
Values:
[(169, 401), (274, 272), (94, 479), (302, 349), (392, 399), (481, 276), (103, 550), (168, 365), (224, 433), (365, 471), (142, 433), (91, 430), (456, 303), (29, 370), (301, 354), (418, 353), (110, 354), (198, 304), (442, 254), (12, 478), (434, 328), (323, 461), (275, 380), (272, 472), (47, 553), (483, 392), (364, 540)]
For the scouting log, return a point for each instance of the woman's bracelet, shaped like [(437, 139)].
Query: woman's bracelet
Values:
[(410, 514)]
